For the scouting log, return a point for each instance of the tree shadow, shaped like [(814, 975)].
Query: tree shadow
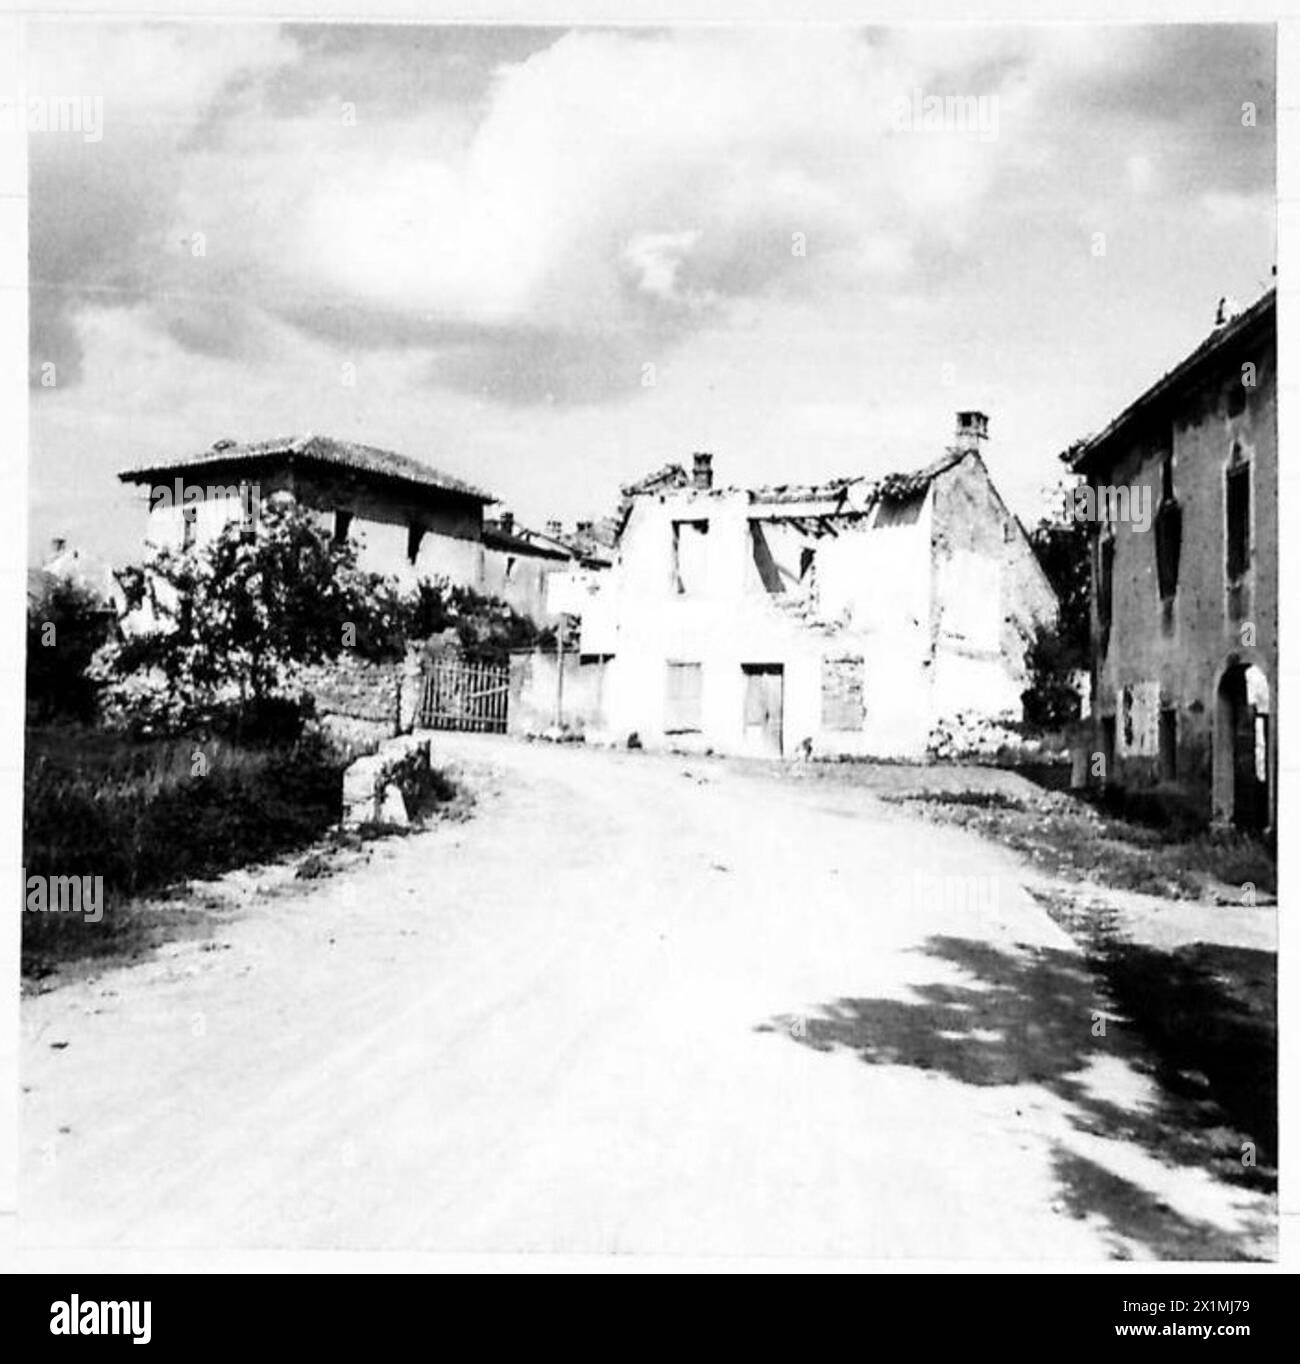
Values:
[(1134, 1214), (1043, 1017)]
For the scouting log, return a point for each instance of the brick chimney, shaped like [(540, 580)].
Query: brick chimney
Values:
[(703, 471), (583, 527), (554, 529), (507, 522), (972, 432)]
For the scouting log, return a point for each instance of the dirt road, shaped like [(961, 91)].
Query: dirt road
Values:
[(636, 1004)]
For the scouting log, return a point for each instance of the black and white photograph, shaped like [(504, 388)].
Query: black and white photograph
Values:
[(648, 641)]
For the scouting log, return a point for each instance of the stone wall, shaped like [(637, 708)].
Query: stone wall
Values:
[(357, 698)]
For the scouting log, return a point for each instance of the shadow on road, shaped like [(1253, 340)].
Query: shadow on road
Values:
[(1030, 1017)]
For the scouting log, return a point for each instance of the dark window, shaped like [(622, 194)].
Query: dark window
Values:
[(342, 525), (1236, 396), (414, 535), (769, 576), (1169, 543), (189, 516), (1238, 516), (1105, 579), (1168, 744), (682, 709), (689, 544)]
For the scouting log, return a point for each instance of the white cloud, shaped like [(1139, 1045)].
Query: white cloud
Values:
[(692, 157)]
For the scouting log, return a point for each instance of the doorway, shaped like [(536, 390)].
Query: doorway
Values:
[(1242, 745), (764, 704)]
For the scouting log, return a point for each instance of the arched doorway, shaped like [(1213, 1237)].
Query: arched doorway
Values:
[(1242, 746)]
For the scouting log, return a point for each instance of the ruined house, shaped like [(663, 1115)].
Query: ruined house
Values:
[(844, 618), (1184, 563)]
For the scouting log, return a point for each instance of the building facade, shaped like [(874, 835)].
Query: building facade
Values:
[(847, 618), (1184, 562), (519, 567), (410, 521)]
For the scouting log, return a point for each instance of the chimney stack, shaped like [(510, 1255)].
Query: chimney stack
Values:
[(58, 544), (554, 529), (972, 432), (583, 527), (703, 471), (507, 522)]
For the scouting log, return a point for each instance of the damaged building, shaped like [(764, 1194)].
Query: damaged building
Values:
[(1184, 619), (847, 618)]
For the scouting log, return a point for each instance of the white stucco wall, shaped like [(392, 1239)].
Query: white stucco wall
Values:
[(382, 544), (874, 587)]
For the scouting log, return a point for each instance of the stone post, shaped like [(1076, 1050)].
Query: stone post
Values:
[(408, 692)]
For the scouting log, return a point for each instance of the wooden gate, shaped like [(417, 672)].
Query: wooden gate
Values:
[(456, 694)]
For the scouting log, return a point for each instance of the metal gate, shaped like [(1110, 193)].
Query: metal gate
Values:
[(456, 694)]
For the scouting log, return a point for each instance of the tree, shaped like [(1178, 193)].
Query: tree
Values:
[(231, 618), (66, 623), (1058, 652)]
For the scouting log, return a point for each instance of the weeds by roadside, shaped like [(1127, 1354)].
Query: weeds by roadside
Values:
[(1070, 838), (150, 816)]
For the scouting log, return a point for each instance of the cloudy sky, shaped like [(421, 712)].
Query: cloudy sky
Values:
[(549, 261)]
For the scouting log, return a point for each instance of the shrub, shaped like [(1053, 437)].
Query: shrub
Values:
[(148, 815), (66, 624), (220, 627)]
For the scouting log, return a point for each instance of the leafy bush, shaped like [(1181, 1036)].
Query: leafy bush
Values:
[(487, 629), (220, 627)]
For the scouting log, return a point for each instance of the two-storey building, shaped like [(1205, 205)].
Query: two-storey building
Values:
[(1184, 549)]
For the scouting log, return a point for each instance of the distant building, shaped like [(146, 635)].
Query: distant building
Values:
[(849, 617), (1184, 619), (69, 564), (410, 521), (413, 521), (518, 566)]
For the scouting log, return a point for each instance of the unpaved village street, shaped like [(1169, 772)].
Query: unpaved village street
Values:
[(636, 1004)]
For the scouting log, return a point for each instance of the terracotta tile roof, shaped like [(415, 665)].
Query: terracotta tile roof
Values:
[(509, 543), (311, 449), (901, 487)]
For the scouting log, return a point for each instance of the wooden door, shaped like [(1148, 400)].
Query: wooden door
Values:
[(764, 704), (1249, 768)]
